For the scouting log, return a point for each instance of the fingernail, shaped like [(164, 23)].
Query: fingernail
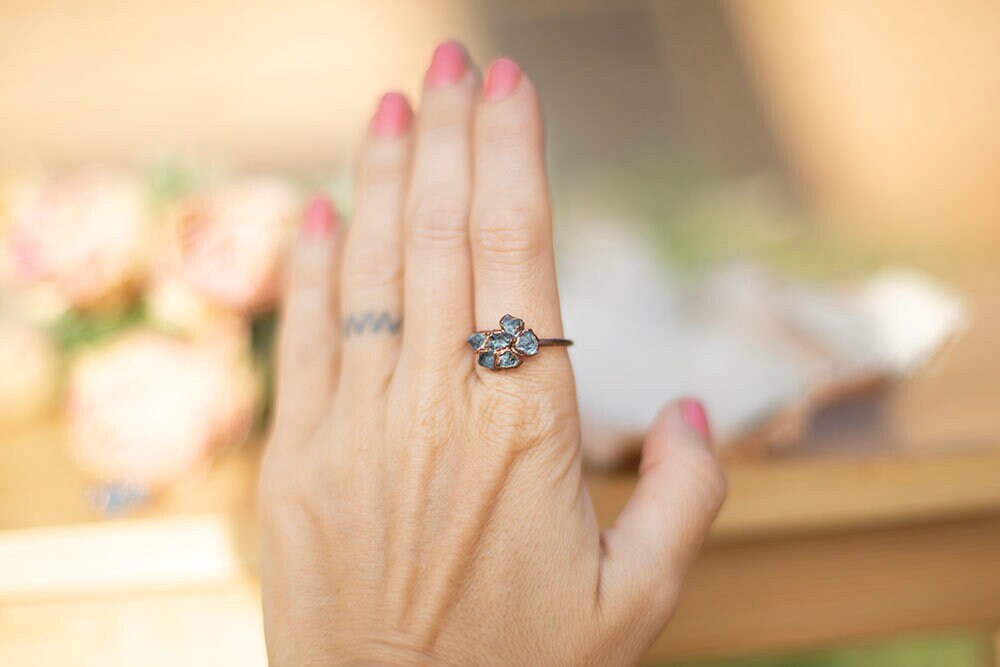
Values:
[(693, 413), (447, 66), (319, 218), (501, 79), (393, 117)]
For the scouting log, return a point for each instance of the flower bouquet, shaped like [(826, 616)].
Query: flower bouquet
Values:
[(141, 304)]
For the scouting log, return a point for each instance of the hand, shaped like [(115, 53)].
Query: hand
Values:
[(417, 508)]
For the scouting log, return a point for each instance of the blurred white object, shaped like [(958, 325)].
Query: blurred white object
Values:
[(30, 375), (146, 408), (911, 317), (229, 243), (83, 236), (748, 344)]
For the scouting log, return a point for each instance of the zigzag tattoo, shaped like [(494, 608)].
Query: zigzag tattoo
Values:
[(370, 322)]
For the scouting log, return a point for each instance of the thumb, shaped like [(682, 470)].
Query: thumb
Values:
[(680, 491)]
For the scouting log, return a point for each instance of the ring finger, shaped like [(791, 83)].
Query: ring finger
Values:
[(372, 276)]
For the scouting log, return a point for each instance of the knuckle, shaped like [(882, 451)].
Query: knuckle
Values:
[(709, 479), (430, 417), (438, 224), (446, 115), (446, 111), (371, 264), (521, 419), (308, 270), (378, 170), (289, 492), (278, 488), (641, 609), (507, 413), (511, 234), (718, 488), (509, 134)]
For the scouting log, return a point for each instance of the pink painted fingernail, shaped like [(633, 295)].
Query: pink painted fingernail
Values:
[(501, 79), (693, 413), (393, 117), (447, 66), (319, 219)]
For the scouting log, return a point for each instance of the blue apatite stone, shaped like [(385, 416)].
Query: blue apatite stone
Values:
[(486, 360), (499, 340), (511, 324), (509, 360), (476, 340), (527, 344)]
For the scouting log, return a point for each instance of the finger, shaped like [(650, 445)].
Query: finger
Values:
[(680, 491), (307, 343), (438, 279), (372, 290), (511, 229)]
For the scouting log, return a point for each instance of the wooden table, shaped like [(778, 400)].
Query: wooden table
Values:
[(851, 536)]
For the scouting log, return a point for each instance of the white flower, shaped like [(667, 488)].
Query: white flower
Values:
[(83, 235), (230, 243), (146, 408)]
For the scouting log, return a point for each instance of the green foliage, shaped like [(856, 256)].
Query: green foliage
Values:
[(171, 179), (76, 329), (263, 338)]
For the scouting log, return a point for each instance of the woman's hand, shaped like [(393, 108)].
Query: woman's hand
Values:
[(416, 507)]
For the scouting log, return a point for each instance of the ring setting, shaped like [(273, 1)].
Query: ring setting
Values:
[(508, 346)]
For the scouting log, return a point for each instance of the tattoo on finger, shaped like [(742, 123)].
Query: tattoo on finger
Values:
[(371, 322)]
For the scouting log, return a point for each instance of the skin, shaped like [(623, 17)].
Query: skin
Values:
[(419, 509)]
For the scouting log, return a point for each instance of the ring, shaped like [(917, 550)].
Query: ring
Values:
[(509, 345)]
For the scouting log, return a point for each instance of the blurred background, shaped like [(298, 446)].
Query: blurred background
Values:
[(794, 205)]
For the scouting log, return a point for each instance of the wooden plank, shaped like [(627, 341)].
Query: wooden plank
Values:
[(205, 628), (118, 557), (784, 594), (821, 494)]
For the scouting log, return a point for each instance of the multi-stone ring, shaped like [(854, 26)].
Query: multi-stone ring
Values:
[(509, 345)]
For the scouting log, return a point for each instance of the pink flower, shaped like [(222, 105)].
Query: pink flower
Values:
[(146, 408), (231, 242), (83, 235)]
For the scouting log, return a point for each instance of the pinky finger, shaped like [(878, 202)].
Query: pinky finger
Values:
[(308, 341)]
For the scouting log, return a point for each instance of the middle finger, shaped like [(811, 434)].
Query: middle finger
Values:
[(438, 280)]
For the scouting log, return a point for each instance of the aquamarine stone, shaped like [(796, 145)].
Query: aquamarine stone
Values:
[(511, 324), (509, 360), (527, 343), (499, 340), (486, 360), (476, 340)]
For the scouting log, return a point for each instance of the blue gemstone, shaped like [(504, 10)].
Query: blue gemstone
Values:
[(511, 324), (476, 340), (499, 341), (509, 360), (486, 360), (527, 344)]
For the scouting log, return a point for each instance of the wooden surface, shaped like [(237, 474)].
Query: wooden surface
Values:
[(808, 591)]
